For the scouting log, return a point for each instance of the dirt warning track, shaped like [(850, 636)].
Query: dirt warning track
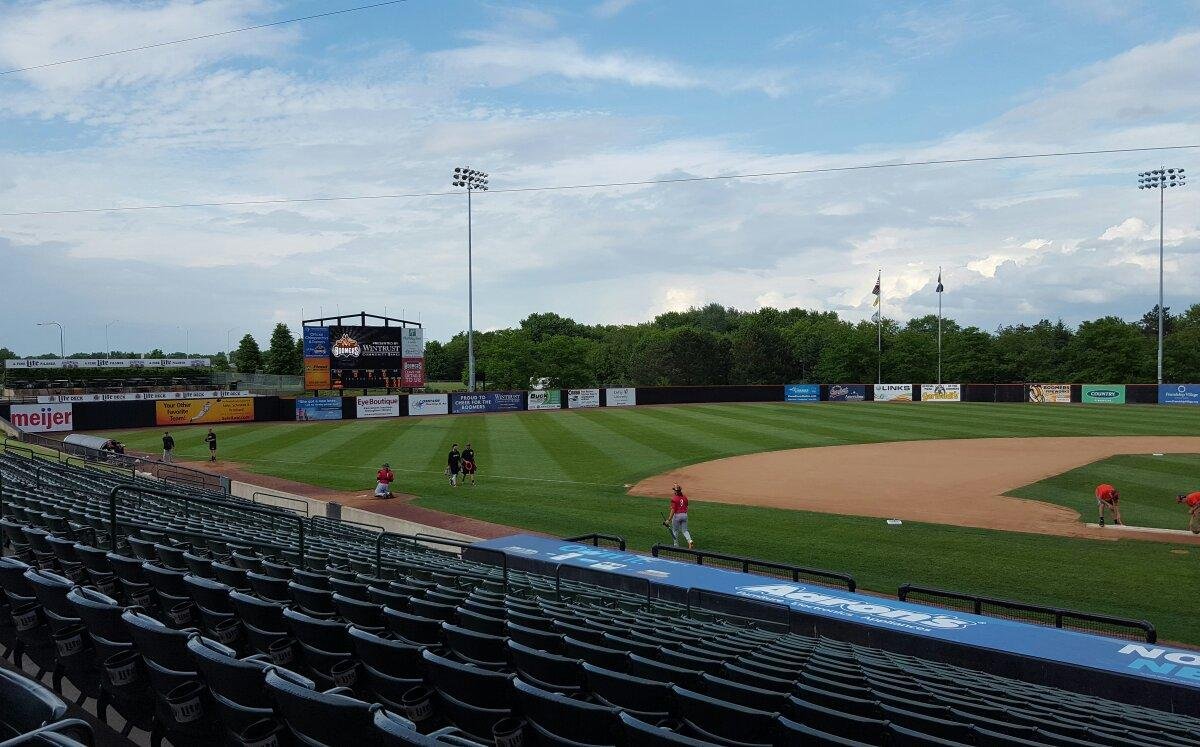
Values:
[(960, 481)]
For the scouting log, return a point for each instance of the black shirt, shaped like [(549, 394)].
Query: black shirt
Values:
[(468, 455), (211, 440), (168, 443), (453, 460)]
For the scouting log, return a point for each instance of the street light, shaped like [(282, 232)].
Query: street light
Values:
[(1160, 179), (62, 347), (227, 340), (473, 180), (187, 339), (107, 347)]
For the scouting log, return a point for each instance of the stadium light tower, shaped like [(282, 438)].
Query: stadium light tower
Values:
[(1160, 179), (474, 181), (107, 346), (62, 347)]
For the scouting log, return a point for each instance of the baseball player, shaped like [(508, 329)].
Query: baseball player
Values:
[(468, 464), (1106, 499), (383, 481), (1192, 501), (677, 522), (453, 465)]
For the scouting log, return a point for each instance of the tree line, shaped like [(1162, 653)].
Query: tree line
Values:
[(714, 345)]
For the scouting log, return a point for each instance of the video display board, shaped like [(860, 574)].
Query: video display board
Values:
[(360, 357)]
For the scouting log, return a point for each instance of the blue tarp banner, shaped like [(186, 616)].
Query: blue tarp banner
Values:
[(801, 392), (847, 393), (316, 342), (1152, 661), (467, 402), (319, 408), (1179, 394)]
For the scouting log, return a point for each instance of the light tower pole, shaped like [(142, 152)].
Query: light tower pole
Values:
[(107, 345), (473, 180), (62, 347), (1160, 179)]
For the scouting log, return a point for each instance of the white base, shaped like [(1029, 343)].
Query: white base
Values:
[(1126, 528)]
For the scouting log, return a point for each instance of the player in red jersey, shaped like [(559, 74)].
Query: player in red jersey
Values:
[(677, 522), (1107, 498), (1192, 501), (383, 481)]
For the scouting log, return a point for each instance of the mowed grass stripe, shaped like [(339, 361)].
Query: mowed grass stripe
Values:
[(576, 457), (711, 438), (673, 445), (772, 433)]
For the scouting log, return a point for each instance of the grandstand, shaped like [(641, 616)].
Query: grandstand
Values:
[(172, 610)]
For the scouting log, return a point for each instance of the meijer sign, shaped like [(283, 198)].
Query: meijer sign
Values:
[(43, 418)]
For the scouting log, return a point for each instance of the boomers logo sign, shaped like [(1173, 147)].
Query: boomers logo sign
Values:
[(941, 392), (192, 411)]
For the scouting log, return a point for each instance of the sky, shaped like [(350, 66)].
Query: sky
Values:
[(390, 100)]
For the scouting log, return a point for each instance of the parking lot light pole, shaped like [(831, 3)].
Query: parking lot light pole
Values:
[(62, 347)]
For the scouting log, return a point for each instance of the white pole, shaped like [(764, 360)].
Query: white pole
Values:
[(879, 332), (939, 295), (1162, 188), (470, 304)]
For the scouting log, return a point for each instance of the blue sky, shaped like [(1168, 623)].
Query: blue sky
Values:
[(389, 100)]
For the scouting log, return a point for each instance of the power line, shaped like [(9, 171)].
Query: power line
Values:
[(202, 36), (605, 185)]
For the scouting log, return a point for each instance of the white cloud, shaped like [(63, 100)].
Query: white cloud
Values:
[(612, 8)]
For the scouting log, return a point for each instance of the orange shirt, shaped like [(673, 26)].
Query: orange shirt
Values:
[(1106, 493)]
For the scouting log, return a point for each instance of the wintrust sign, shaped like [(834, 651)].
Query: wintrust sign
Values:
[(45, 418)]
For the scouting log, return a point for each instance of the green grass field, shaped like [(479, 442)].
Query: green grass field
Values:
[(564, 473), (1148, 486)]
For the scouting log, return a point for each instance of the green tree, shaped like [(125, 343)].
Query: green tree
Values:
[(279, 358), (507, 357), (220, 362), (7, 355), (1110, 350), (1149, 322), (156, 353), (247, 358), (539, 327), (563, 360), (759, 354), (680, 356), (968, 356)]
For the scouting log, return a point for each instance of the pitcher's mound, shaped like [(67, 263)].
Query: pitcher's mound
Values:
[(959, 481)]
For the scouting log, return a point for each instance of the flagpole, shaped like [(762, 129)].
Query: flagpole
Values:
[(939, 326), (879, 331)]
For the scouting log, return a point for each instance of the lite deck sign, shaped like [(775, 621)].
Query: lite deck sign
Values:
[(1159, 663)]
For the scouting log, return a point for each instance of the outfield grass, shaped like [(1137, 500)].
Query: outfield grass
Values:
[(564, 473), (1148, 486)]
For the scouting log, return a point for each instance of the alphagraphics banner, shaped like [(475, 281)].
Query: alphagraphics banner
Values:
[(893, 392), (1179, 394), (319, 408), (462, 403), (192, 411), (620, 396), (139, 396), (847, 393), (43, 418), (545, 399), (941, 392), (1103, 394), (428, 404), (383, 406), (1060, 393), (801, 392), (577, 398)]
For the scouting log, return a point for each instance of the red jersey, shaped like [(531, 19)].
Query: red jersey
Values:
[(1193, 499), (1106, 493), (679, 504), (385, 476)]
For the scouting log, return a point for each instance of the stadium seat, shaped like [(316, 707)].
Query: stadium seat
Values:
[(237, 689), (649, 700), (745, 695), (721, 722), (488, 651), (560, 720), (608, 658), (640, 666), (326, 655), (471, 698), (642, 734), (317, 718), (414, 628), (363, 614), (548, 671), (390, 667), (534, 638), (29, 710), (836, 722), (791, 732)]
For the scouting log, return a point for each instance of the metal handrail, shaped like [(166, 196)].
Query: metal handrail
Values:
[(701, 593), (187, 500), (312, 523), (1145, 626), (843, 579), (558, 581), (254, 499), (432, 539), (595, 538)]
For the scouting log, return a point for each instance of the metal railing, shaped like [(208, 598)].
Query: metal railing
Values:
[(303, 503), (187, 502), (757, 567), (429, 539), (595, 539), (1109, 625)]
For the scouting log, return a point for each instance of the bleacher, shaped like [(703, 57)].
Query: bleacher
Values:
[(203, 619)]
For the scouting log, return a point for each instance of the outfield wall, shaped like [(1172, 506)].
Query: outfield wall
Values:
[(87, 416)]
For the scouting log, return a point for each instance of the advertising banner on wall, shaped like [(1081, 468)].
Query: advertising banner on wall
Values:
[(191, 411), (412, 374), (376, 357), (319, 408), (38, 363), (380, 406), (45, 418), (941, 392), (1179, 394), (801, 392), (545, 399), (620, 396), (138, 396), (847, 393), (583, 398), (316, 342), (1050, 393), (893, 392), (466, 402), (1103, 394), (428, 404), (316, 374)]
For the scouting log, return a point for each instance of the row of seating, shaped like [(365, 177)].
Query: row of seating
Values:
[(330, 648)]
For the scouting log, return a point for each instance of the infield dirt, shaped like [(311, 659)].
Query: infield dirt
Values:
[(959, 481)]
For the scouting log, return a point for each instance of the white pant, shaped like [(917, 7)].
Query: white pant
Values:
[(382, 489), (168, 455), (678, 527)]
